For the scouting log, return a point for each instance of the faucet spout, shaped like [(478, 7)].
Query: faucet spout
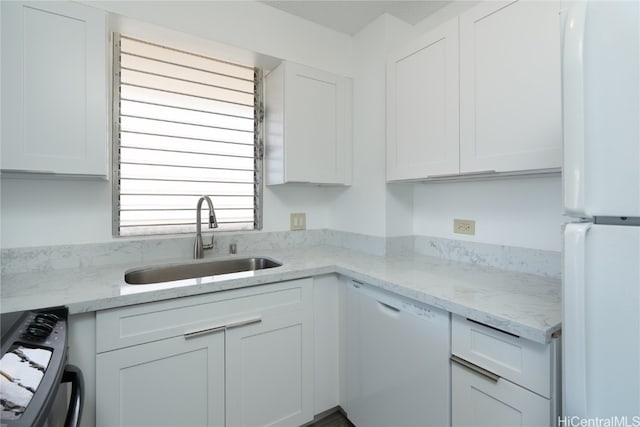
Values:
[(199, 246)]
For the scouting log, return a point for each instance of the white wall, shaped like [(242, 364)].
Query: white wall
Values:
[(524, 212), (521, 212), (361, 208), (42, 211), (248, 25)]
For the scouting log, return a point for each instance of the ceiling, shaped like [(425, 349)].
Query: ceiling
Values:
[(351, 16)]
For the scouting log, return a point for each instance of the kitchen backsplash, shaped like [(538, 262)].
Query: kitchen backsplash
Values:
[(46, 258), (524, 260)]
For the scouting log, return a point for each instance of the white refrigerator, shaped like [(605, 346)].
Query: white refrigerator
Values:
[(601, 185)]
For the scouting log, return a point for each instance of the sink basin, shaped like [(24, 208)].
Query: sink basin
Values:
[(168, 273)]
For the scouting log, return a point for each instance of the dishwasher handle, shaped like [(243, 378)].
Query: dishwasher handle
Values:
[(389, 307)]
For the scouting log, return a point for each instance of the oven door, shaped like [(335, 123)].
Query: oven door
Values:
[(66, 410)]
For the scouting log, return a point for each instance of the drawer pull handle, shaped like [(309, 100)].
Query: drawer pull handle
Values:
[(475, 368), (201, 332), (492, 327), (212, 330), (244, 322)]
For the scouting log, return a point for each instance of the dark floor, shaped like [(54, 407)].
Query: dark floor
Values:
[(335, 419)]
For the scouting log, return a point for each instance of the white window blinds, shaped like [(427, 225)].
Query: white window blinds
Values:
[(186, 127)]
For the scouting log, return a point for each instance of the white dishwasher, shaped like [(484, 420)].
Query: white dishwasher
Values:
[(397, 360)]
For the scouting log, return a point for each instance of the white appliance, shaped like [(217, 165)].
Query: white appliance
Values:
[(601, 183), (397, 352)]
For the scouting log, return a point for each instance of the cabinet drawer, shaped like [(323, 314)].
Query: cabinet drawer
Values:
[(127, 326), (477, 401), (511, 357)]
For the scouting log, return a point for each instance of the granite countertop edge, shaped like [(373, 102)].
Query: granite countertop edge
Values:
[(522, 304)]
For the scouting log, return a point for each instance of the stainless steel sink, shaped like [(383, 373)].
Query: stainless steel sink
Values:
[(168, 273)]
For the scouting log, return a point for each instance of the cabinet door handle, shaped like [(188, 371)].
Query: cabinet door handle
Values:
[(475, 368), (487, 172), (462, 174), (201, 332), (244, 322), (444, 175)]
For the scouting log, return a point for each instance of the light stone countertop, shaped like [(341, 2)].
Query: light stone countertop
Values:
[(519, 303)]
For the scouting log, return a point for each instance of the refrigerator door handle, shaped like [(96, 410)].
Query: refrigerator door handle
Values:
[(573, 109), (573, 322)]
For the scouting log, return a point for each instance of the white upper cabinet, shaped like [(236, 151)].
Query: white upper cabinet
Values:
[(479, 94), (510, 95), (422, 106), (308, 126), (54, 88)]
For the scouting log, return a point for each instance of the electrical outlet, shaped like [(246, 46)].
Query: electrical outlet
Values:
[(298, 221), (464, 226)]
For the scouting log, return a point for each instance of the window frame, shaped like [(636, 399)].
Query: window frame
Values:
[(258, 181)]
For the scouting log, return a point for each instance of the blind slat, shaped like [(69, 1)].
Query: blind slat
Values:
[(177, 56), (168, 84), (157, 96), (185, 72), (184, 173), (186, 116), (182, 201), (183, 130)]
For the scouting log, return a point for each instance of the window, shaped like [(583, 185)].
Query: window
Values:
[(185, 126)]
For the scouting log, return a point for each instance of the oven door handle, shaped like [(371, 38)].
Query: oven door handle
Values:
[(73, 375)]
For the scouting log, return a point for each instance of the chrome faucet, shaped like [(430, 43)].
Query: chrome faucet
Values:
[(199, 247)]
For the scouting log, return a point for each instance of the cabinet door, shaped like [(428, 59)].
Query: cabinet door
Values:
[(270, 371), (317, 132), (510, 99), (54, 104), (478, 401), (308, 126), (172, 382), (422, 106)]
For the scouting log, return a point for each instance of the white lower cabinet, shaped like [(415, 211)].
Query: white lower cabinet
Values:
[(235, 358), (500, 379), (269, 375), (479, 401), (278, 354), (172, 382)]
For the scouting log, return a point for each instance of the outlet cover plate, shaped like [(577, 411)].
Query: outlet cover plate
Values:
[(298, 221), (464, 226)]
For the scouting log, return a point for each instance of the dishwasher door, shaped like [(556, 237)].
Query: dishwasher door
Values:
[(398, 370)]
